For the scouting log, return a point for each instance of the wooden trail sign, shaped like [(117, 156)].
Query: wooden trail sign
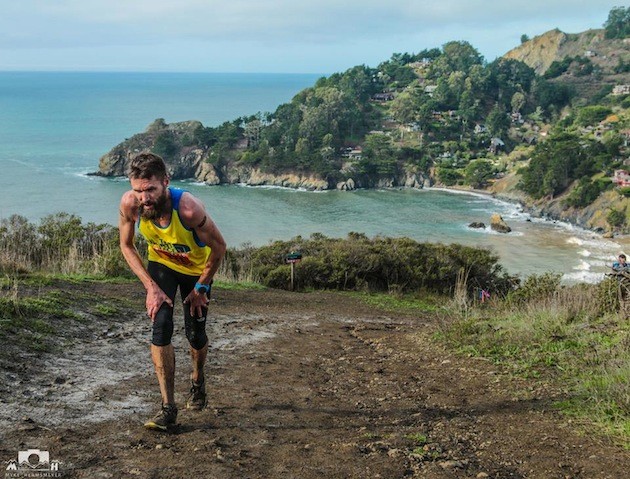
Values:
[(292, 258)]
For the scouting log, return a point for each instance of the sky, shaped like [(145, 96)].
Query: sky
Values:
[(280, 36)]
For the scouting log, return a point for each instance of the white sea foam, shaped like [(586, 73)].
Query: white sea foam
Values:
[(582, 277), (597, 253), (276, 187), (583, 266)]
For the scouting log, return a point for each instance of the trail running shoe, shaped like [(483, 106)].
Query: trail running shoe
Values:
[(197, 399), (164, 420)]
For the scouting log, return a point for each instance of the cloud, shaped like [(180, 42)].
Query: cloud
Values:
[(258, 29)]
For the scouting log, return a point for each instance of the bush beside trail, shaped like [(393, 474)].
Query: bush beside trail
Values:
[(379, 264), (60, 244)]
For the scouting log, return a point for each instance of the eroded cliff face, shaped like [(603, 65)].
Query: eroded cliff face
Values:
[(182, 161), (539, 52)]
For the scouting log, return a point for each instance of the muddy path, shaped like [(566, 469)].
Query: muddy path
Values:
[(302, 386)]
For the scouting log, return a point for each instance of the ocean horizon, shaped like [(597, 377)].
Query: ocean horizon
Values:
[(54, 127)]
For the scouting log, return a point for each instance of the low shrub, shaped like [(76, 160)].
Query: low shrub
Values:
[(379, 264)]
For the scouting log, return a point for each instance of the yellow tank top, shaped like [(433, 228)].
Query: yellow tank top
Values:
[(174, 245)]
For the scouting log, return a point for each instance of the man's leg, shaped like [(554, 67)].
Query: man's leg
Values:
[(198, 357), (197, 399), (162, 352), (164, 362), (196, 335)]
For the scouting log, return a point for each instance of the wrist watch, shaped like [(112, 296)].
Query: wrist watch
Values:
[(202, 288)]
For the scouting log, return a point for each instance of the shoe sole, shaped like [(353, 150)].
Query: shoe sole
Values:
[(157, 427)]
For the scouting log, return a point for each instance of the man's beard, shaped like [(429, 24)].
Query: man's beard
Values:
[(159, 208)]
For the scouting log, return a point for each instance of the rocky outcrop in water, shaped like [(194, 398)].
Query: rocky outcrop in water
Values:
[(184, 160), (498, 224)]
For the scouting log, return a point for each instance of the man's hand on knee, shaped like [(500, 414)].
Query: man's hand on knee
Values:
[(155, 298)]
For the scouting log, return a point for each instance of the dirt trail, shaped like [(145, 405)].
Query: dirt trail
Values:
[(302, 386)]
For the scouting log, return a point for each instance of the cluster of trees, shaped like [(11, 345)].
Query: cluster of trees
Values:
[(563, 158), (379, 264), (618, 23), (60, 243), (579, 65), (310, 132)]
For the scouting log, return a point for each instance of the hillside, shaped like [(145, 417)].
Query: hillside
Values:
[(554, 112), (603, 55)]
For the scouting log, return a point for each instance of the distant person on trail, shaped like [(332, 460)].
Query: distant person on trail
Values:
[(621, 266), (185, 249)]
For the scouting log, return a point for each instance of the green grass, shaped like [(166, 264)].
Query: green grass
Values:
[(49, 279), (32, 280), (570, 341), (86, 278), (34, 308), (103, 309), (399, 303)]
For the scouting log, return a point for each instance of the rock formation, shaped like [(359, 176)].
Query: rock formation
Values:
[(498, 224)]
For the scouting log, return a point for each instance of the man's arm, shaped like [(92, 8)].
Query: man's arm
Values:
[(193, 215), (126, 228)]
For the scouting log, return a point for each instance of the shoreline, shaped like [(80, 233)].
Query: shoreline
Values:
[(533, 213)]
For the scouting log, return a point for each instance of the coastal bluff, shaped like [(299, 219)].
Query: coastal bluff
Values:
[(175, 142)]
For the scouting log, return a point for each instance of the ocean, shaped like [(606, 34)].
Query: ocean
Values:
[(54, 127)]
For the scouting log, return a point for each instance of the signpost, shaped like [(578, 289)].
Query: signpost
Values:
[(292, 258)]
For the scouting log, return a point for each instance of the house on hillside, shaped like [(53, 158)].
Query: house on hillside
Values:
[(621, 90), (621, 178), (383, 97), (352, 152), (411, 127), (496, 144), (479, 129), (355, 153), (430, 89)]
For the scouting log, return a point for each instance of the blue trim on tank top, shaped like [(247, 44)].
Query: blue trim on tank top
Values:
[(176, 195)]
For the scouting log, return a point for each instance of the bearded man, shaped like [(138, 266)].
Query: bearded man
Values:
[(185, 248)]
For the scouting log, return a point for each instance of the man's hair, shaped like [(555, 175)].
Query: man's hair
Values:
[(145, 166), (622, 256)]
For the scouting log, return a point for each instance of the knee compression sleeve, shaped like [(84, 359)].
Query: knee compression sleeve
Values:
[(163, 326), (196, 332)]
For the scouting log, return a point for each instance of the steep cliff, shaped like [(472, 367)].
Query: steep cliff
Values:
[(541, 51), (172, 141)]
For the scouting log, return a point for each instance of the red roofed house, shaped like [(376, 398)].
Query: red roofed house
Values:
[(621, 178)]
